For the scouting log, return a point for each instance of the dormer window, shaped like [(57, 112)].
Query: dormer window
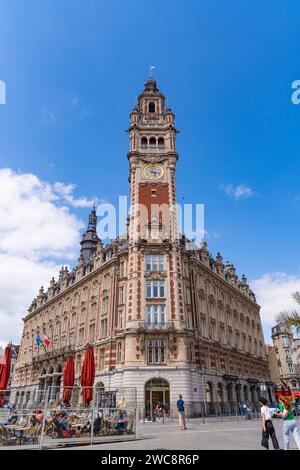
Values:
[(151, 107)]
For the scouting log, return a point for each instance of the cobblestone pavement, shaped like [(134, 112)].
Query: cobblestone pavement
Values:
[(213, 435)]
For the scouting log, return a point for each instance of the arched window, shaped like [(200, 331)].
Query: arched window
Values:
[(152, 142), (161, 142), (151, 107), (144, 142)]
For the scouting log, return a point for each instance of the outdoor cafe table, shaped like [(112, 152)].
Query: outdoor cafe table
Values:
[(16, 427)]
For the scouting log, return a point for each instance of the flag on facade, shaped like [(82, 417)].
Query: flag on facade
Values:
[(46, 340), (38, 340)]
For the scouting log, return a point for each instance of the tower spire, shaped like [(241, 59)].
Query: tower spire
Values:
[(90, 238)]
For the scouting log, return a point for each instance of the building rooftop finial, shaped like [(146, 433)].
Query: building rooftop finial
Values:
[(151, 68)]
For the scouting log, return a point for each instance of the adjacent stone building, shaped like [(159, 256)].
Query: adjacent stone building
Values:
[(283, 358), (162, 315)]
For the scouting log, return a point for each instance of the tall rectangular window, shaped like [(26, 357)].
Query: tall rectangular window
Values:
[(201, 304), (155, 316), (155, 289), (154, 263), (156, 351), (81, 335), (119, 351), (92, 332), (222, 334), (203, 325), (121, 296), (120, 319), (122, 270), (101, 359), (189, 320), (103, 328), (213, 330)]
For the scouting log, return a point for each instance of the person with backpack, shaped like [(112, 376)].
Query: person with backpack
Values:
[(267, 424), (289, 422)]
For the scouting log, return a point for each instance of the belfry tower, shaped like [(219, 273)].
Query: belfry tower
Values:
[(155, 307)]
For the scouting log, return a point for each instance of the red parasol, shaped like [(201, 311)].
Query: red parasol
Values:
[(5, 373), (88, 376), (68, 379)]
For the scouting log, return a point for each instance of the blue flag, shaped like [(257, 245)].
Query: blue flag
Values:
[(38, 340)]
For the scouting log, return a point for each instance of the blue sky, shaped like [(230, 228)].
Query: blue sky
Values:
[(73, 69)]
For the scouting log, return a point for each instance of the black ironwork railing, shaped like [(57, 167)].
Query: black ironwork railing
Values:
[(53, 353)]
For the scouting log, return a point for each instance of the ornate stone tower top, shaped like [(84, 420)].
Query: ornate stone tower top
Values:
[(152, 157), (89, 239)]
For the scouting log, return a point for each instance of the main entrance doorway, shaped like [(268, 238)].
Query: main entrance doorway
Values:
[(156, 391)]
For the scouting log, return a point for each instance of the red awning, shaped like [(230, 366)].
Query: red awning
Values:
[(88, 376), (1, 369), (5, 373), (68, 379)]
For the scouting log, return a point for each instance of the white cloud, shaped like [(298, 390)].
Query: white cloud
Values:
[(20, 280), (211, 234), (238, 192), (37, 231), (273, 292), (66, 192)]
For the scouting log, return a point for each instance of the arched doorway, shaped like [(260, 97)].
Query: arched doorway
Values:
[(100, 394), (156, 391)]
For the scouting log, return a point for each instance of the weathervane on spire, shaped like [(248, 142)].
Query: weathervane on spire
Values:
[(151, 68)]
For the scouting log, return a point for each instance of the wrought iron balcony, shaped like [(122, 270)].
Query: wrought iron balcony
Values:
[(159, 326), (54, 353)]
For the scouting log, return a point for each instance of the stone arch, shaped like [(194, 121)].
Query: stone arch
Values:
[(152, 142), (161, 142), (151, 107), (157, 390)]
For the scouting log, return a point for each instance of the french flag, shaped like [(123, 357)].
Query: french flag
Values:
[(46, 340)]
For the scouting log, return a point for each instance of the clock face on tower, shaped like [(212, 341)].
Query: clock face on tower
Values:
[(153, 171)]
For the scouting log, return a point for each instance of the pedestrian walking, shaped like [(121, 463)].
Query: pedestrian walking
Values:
[(181, 413), (158, 412), (267, 425), (289, 422)]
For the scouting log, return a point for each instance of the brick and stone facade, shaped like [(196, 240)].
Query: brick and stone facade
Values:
[(162, 317)]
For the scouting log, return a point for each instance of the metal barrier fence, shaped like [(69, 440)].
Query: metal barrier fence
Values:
[(110, 416), (208, 412)]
